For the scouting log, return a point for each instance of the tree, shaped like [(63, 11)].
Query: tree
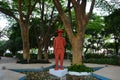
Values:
[(106, 7), (3, 47), (14, 43), (94, 38), (82, 19), (48, 19), (21, 11), (112, 26)]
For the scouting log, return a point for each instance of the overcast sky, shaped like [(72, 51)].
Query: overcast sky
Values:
[(3, 22)]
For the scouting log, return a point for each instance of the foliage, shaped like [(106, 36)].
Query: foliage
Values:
[(33, 56), (106, 60), (12, 6), (79, 68), (19, 56), (112, 23), (94, 38), (14, 43), (94, 55), (112, 28), (21, 11), (107, 6), (3, 47), (8, 55), (31, 61), (95, 25), (109, 45)]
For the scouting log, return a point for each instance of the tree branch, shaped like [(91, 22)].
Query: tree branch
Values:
[(69, 12), (79, 16), (20, 10), (91, 10), (8, 12), (42, 10), (83, 5), (31, 8), (64, 19)]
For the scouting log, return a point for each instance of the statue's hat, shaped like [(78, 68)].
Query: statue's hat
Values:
[(60, 31)]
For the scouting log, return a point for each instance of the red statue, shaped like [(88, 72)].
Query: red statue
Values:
[(59, 50)]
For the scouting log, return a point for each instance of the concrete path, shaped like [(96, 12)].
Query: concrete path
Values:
[(110, 71), (10, 63), (7, 60), (10, 75)]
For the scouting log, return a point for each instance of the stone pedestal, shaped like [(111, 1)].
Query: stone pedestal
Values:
[(60, 74)]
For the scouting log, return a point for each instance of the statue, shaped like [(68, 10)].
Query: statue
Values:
[(59, 49)]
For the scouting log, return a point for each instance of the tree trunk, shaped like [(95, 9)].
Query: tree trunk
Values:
[(25, 39), (77, 51), (87, 48), (116, 46), (46, 55), (39, 56), (81, 21)]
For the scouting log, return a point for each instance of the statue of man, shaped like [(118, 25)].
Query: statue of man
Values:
[(59, 50)]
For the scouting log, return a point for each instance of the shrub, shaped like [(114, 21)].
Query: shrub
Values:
[(112, 61), (32, 61), (19, 56), (8, 55), (79, 68), (95, 55)]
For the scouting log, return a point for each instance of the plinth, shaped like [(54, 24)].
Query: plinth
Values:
[(60, 74)]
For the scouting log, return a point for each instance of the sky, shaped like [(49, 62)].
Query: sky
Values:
[(3, 22)]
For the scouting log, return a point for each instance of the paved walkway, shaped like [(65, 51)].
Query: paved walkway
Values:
[(7, 60), (110, 71)]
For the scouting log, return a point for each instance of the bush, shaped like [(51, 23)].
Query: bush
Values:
[(32, 61), (8, 55), (51, 55), (1, 54), (95, 55), (112, 61), (79, 68), (19, 56)]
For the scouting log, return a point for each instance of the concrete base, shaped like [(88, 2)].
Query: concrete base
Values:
[(79, 73), (58, 73)]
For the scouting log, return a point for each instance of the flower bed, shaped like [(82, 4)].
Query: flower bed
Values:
[(44, 75)]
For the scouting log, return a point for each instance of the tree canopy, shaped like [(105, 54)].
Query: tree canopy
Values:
[(72, 16)]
